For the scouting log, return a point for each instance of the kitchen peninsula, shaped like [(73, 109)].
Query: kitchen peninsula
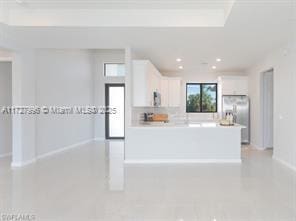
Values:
[(182, 140), (205, 142)]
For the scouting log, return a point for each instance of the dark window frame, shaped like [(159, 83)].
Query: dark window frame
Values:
[(107, 120), (201, 93), (118, 63)]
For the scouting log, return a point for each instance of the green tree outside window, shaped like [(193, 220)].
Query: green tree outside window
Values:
[(201, 98)]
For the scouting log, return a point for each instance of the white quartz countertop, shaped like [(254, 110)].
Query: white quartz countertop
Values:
[(185, 125)]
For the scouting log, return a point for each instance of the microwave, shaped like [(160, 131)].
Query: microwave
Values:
[(156, 99)]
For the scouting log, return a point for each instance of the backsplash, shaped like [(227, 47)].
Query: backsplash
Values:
[(138, 112), (176, 114)]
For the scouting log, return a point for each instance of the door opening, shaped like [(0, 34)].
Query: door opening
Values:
[(267, 108), (114, 122)]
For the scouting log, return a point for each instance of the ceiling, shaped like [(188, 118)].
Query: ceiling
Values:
[(121, 4), (118, 13), (253, 29)]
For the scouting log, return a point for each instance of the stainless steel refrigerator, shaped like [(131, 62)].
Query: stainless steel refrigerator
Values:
[(239, 106)]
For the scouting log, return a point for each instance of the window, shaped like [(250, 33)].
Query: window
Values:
[(201, 98), (114, 70)]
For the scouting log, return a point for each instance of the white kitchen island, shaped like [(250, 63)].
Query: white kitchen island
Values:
[(184, 143)]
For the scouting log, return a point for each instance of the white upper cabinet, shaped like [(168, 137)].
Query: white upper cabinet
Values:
[(147, 79), (233, 85), (164, 92), (174, 92), (170, 92), (155, 80)]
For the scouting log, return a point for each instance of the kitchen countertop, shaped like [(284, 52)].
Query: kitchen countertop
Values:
[(185, 125)]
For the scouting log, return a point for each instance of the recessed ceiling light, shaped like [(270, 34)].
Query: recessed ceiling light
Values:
[(214, 67), (19, 1), (181, 67), (218, 59), (178, 59)]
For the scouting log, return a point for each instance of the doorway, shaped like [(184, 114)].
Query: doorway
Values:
[(267, 108), (114, 121)]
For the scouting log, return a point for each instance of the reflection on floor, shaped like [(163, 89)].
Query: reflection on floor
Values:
[(92, 183)]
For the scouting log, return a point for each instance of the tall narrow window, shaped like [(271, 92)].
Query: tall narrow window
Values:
[(115, 122), (201, 98), (114, 70)]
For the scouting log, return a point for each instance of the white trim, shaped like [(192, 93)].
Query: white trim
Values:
[(262, 123), (63, 149), (256, 147), (22, 164), (6, 59), (99, 139), (284, 163), (100, 17), (182, 161), (5, 155)]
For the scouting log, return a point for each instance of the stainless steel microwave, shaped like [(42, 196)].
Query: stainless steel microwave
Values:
[(156, 99)]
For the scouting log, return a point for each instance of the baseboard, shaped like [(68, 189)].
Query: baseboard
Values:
[(256, 147), (182, 161), (5, 155), (99, 139), (284, 163), (22, 164), (63, 149)]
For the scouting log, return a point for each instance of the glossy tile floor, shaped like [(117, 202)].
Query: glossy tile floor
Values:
[(91, 183)]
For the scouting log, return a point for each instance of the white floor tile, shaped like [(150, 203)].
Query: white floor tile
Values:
[(92, 183)]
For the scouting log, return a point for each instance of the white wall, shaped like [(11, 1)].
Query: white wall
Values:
[(283, 63), (23, 94), (53, 77), (5, 100), (101, 57), (5, 55), (64, 78), (129, 57), (6, 36)]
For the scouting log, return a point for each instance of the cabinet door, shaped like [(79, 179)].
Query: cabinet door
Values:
[(141, 84), (174, 92), (158, 82), (150, 84), (164, 91), (241, 86), (154, 84), (235, 86)]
